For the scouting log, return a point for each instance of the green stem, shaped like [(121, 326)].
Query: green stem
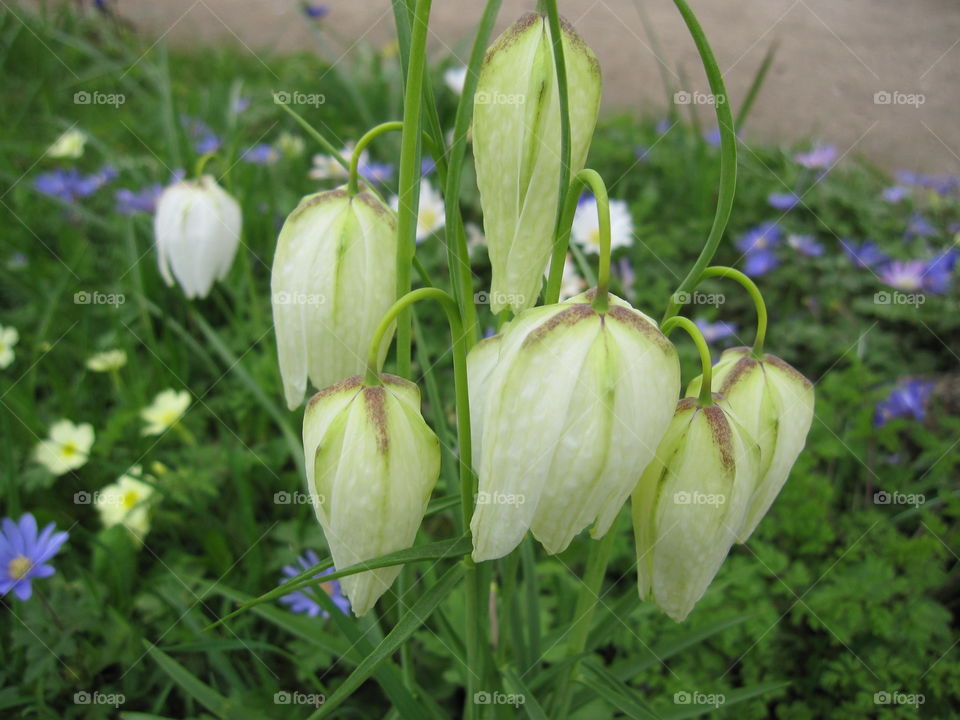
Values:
[(458, 256), (668, 326), (408, 190), (587, 600), (591, 179), (560, 66), (368, 137), (202, 163), (312, 132), (728, 157), (751, 287)]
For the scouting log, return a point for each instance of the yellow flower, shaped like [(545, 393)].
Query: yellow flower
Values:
[(8, 338), (127, 502), (67, 448), (107, 361), (68, 145), (166, 409)]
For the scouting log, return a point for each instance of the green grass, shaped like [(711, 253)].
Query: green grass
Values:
[(835, 599)]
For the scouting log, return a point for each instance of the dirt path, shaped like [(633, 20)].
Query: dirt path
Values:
[(838, 61)]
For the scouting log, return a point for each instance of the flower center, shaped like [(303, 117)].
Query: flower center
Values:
[(19, 567), (595, 237), (428, 219), (68, 449), (130, 498), (327, 587)]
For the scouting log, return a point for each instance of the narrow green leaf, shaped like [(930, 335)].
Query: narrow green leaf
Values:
[(516, 685), (416, 616), (623, 697), (213, 701)]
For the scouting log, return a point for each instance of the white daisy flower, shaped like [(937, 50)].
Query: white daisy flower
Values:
[(107, 361), (67, 448), (586, 227), (165, 411), (69, 145), (127, 502), (431, 216), (9, 337)]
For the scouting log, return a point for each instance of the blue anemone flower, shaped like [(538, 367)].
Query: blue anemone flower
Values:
[(302, 601), (24, 554), (907, 399)]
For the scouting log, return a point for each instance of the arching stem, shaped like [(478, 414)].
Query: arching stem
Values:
[(584, 178), (706, 398), (751, 287), (368, 137)]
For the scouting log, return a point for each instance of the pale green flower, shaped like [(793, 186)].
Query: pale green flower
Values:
[(107, 361), (9, 337), (69, 145), (165, 411), (67, 448), (127, 502)]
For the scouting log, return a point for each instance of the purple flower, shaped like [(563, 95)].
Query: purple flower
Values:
[(24, 554), (663, 125), (763, 236), (70, 185), (712, 332), (920, 226), (640, 152), (208, 144), (805, 245), (760, 262), (895, 193), (375, 172), (262, 154), (205, 141), (130, 202), (820, 157), (939, 272), (301, 601), (941, 184), (867, 255), (427, 166), (712, 137), (783, 201), (240, 104), (907, 276), (315, 11), (907, 399)]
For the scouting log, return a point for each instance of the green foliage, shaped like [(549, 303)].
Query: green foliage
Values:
[(835, 598)]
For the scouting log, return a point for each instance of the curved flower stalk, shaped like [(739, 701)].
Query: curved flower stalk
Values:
[(516, 136), (774, 402), (197, 227), (372, 463), (334, 276), (569, 401), (690, 504)]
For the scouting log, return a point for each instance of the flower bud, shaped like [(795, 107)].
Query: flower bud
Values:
[(774, 402), (372, 463), (197, 228), (516, 139), (334, 277), (567, 404), (690, 503)]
